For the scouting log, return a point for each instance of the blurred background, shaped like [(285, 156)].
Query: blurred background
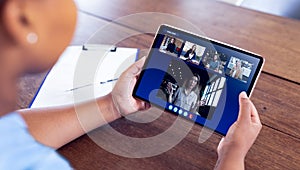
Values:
[(284, 8)]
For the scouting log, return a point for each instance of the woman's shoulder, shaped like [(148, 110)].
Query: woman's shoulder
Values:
[(11, 120), (17, 143)]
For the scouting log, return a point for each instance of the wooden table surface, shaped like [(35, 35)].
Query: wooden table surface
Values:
[(276, 96)]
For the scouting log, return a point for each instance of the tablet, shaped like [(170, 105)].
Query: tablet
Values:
[(197, 78)]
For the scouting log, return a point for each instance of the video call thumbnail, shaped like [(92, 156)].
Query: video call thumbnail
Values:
[(191, 89), (171, 45), (239, 69), (214, 61), (192, 52)]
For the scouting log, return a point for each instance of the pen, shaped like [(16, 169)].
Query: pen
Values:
[(111, 80), (87, 85), (78, 87)]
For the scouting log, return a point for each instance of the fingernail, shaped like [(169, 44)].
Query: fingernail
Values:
[(142, 60), (244, 95)]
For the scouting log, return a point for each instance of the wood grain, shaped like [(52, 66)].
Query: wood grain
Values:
[(86, 27), (278, 103), (28, 86), (275, 38), (272, 150)]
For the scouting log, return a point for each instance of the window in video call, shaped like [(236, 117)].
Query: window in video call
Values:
[(195, 78)]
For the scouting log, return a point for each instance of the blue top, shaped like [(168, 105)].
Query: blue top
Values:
[(19, 150)]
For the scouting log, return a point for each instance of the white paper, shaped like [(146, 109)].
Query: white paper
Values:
[(79, 73)]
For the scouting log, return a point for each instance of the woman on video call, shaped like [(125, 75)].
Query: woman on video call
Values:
[(237, 70), (33, 35), (186, 96), (191, 53)]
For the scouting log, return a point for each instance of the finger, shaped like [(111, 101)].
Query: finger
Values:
[(142, 105), (245, 107), (135, 68), (220, 144), (147, 105), (140, 63)]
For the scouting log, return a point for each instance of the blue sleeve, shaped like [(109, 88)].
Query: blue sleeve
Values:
[(19, 150)]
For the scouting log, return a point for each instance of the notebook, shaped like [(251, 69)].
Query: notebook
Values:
[(90, 68)]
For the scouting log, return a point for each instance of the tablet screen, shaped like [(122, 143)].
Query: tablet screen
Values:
[(197, 78)]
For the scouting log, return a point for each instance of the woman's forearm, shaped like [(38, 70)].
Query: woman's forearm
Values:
[(55, 127)]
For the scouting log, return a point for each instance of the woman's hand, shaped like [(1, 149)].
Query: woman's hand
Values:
[(121, 94), (169, 88), (241, 135)]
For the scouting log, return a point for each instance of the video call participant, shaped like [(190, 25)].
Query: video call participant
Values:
[(29, 137), (237, 70), (215, 63), (204, 62), (163, 91), (186, 97), (191, 53), (171, 46)]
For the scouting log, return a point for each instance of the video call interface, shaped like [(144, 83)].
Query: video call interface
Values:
[(192, 77)]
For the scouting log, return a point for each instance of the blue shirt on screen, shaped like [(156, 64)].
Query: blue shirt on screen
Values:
[(19, 150)]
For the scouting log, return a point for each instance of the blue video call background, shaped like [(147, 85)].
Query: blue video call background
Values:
[(157, 64)]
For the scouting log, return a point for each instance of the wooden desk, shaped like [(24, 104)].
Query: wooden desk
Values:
[(277, 95)]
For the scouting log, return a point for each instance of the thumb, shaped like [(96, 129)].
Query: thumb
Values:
[(220, 145), (136, 68), (245, 107)]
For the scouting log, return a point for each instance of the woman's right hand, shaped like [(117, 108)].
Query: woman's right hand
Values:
[(240, 137)]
